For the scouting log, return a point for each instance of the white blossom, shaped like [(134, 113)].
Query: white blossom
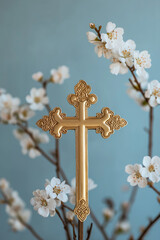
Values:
[(37, 99), (153, 93), (15, 206), (25, 113), (142, 60), (126, 52), (19, 133), (70, 215), (91, 184), (72, 195), (43, 204), (117, 67), (113, 37), (108, 213), (8, 116), (39, 137), (4, 184), (135, 177), (137, 96), (7, 101), (123, 226), (56, 189), (60, 74), (15, 223), (92, 37), (8, 108), (27, 143), (37, 76), (142, 77), (28, 147), (151, 168)]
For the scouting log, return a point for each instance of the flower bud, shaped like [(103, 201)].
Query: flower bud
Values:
[(92, 25)]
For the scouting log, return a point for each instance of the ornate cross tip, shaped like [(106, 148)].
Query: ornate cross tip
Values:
[(104, 123), (82, 210)]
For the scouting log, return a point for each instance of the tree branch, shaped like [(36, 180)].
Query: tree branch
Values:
[(29, 227), (150, 131), (89, 231), (100, 227), (149, 227)]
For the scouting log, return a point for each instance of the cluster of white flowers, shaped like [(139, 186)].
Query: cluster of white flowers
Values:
[(140, 174), (123, 55), (15, 207), (57, 75), (11, 111), (60, 74), (37, 98), (46, 201), (27, 144)]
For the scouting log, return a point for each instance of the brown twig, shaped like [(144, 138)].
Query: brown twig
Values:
[(57, 157), (150, 131), (134, 86), (148, 227), (36, 145), (65, 206), (59, 215), (98, 30), (132, 199), (74, 232), (89, 231), (150, 184), (100, 227), (29, 227), (138, 84)]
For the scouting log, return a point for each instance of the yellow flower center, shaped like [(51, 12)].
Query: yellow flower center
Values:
[(126, 53), (56, 190), (139, 61), (156, 92), (44, 203), (112, 35), (37, 99), (138, 175), (29, 146), (151, 168), (6, 104), (24, 113)]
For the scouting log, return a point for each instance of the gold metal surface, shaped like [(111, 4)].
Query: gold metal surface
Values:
[(105, 123)]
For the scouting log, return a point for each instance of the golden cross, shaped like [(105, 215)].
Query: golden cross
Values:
[(105, 123)]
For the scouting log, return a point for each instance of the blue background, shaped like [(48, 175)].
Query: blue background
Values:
[(38, 35)]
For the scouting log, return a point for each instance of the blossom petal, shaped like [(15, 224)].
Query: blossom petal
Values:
[(144, 172), (146, 161), (63, 197), (142, 183), (55, 181), (110, 27), (129, 169), (44, 212), (153, 177)]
